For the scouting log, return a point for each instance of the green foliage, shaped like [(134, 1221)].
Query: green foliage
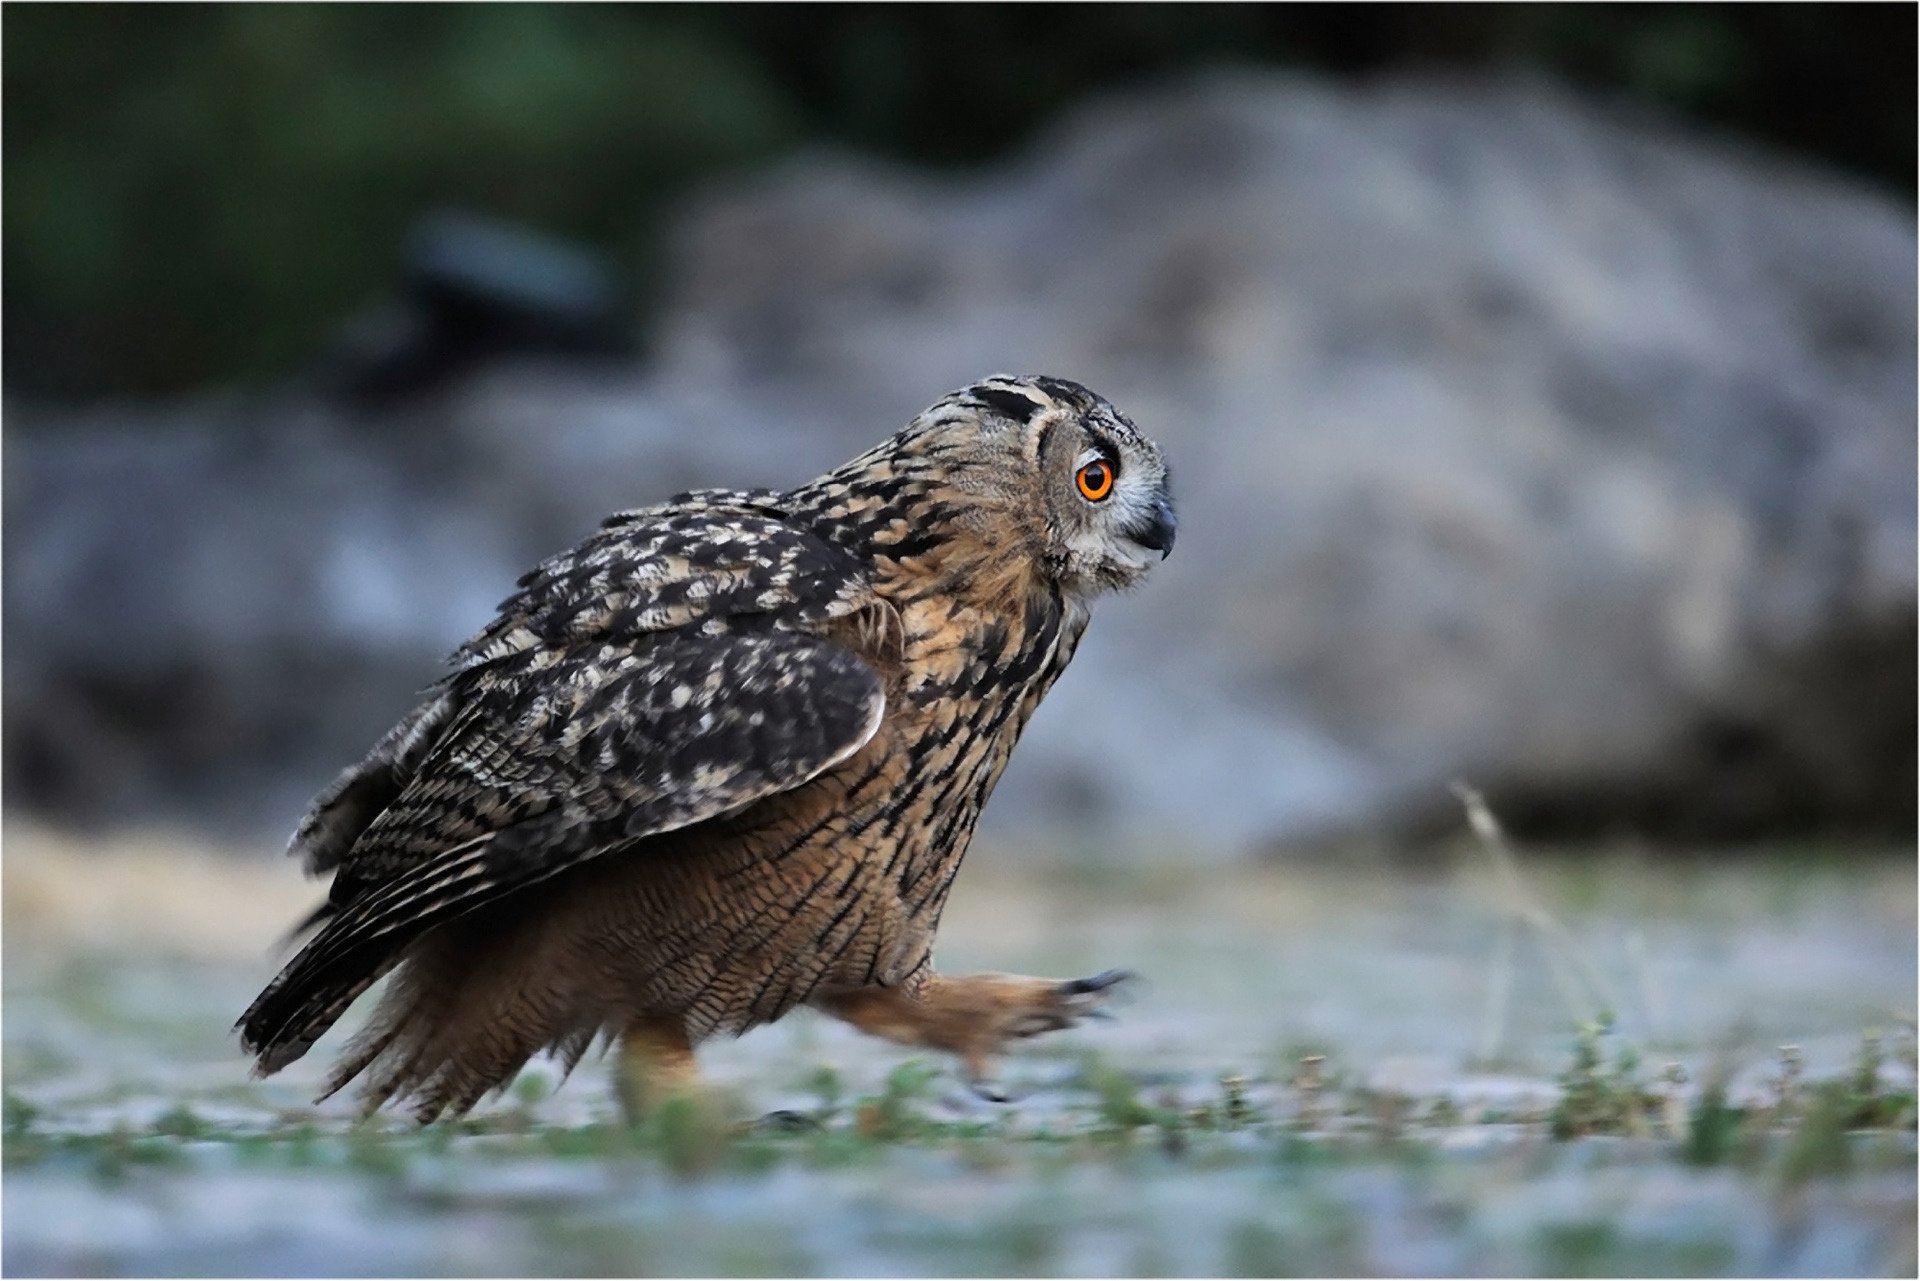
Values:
[(122, 1152), (1824, 1115), (1818, 1145), (201, 191), (690, 1132), (1602, 1096), (1799, 1131), (180, 1122), (1600, 1247), (1330, 1243), (530, 1087), (1120, 1105), (824, 1082), (895, 1113), (1713, 1125), (1598, 1096), (1869, 1102), (19, 1115), (1234, 1111)]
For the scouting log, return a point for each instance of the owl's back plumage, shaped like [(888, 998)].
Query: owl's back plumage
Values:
[(719, 759)]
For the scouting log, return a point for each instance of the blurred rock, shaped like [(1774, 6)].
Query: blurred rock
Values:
[(1514, 439), (474, 290)]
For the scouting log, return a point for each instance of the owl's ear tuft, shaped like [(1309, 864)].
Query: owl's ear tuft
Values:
[(1021, 408)]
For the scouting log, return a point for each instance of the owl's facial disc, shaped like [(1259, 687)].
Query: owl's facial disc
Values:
[(1119, 519), (1102, 484)]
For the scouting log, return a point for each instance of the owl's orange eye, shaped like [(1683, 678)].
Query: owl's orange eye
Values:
[(1095, 480)]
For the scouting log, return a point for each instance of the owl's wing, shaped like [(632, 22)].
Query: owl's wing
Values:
[(629, 741), (579, 729), (708, 561)]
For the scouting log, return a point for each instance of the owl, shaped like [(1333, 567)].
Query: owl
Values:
[(720, 760)]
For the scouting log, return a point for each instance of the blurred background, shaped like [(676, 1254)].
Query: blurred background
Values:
[(1539, 380), (1539, 383)]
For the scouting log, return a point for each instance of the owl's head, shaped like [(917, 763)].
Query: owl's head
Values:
[(1097, 484)]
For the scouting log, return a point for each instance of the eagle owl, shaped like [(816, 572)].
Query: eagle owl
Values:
[(723, 759)]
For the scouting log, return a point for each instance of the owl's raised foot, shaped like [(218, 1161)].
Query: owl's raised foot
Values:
[(975, 1016), (1074, 1000)]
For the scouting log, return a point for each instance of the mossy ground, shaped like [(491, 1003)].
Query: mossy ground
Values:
[(1332, 1071)]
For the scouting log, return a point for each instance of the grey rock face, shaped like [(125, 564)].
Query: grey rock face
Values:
[(1513, 440)]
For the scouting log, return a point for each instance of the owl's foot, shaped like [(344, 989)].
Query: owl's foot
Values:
[(656, 1064), (975, 1016), (1051, 1007), (787, 1121), (1064, 1003)]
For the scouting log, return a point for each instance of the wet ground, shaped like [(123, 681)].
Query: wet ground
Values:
[(1337, 1069)]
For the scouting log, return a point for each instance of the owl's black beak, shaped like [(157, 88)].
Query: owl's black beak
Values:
[(1156, 533)]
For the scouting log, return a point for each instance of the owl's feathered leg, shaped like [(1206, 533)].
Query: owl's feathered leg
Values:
[(656, 1062), (973, 1016)]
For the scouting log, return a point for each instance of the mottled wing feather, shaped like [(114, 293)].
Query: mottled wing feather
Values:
[(672, 567), (342, 812), (703, 559), (655, 735), (760, 502)]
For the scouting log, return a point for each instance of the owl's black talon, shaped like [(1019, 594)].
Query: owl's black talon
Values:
[(989, 1091), (787, 1121), (1097, 983)]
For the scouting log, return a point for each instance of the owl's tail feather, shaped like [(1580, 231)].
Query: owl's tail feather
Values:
[(361, 940), (453, 1026), (297, 1009), (469, 1001), (341, 813)]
